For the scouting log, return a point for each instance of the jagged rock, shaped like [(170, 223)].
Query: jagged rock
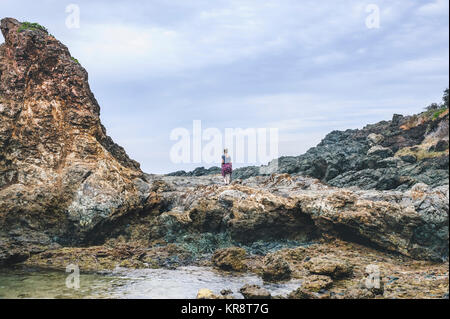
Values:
[(441, 146), (355, 157), (61, 176), (199, 171), (254, 292), (375, 139), (275, 268), (380, 151), (327, 266), (412, 223), (316, 283), (230, 259), (409, 159)]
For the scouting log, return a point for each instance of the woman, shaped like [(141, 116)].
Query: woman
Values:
[(227, 169)]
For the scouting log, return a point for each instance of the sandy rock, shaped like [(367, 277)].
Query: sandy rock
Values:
[(205, 293)]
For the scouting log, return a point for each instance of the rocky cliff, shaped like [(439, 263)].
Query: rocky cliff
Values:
[(60, 174)]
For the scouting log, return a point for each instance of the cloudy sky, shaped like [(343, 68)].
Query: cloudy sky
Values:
[(304, 67)]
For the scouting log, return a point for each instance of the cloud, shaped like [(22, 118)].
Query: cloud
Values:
[(306, 67), (438, 7)]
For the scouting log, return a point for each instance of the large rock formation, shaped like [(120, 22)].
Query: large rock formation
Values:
[(413, 223), (61, 176)]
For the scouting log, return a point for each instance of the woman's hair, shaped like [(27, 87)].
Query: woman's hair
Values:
[(225, 150)]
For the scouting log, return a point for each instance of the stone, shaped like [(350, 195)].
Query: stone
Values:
[(226, 292), (230, 259), (409, 158), (375, 139), (316, 283), (329, 266), (205, 293), (441, 146), (275, 268), (380, 151), (254, 292)]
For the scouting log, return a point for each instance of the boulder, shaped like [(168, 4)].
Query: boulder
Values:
[(230, 259), (316, 283), (275, 268), (205, 293), (441, 146), (254, 292), (328, 266), (409, 159), (375, 139), (382, 152)]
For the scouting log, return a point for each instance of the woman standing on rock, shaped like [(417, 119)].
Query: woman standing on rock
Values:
[(227, 169)]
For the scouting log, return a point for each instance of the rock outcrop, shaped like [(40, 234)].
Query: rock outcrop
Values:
[(230, 259), (413, 223), (388, 155), (61, 176)]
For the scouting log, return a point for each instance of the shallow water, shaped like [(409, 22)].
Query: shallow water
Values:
[(183, 282)]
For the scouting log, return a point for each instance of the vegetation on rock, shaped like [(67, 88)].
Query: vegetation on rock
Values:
[(31, 26)]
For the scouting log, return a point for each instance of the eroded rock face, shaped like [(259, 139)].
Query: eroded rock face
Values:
[(413, 223), (60, 174)]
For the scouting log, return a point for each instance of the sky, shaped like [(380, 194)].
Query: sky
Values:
[(303, 67)]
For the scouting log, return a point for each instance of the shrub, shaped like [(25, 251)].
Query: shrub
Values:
[(433, 106), (31, 26), (75, 60)]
